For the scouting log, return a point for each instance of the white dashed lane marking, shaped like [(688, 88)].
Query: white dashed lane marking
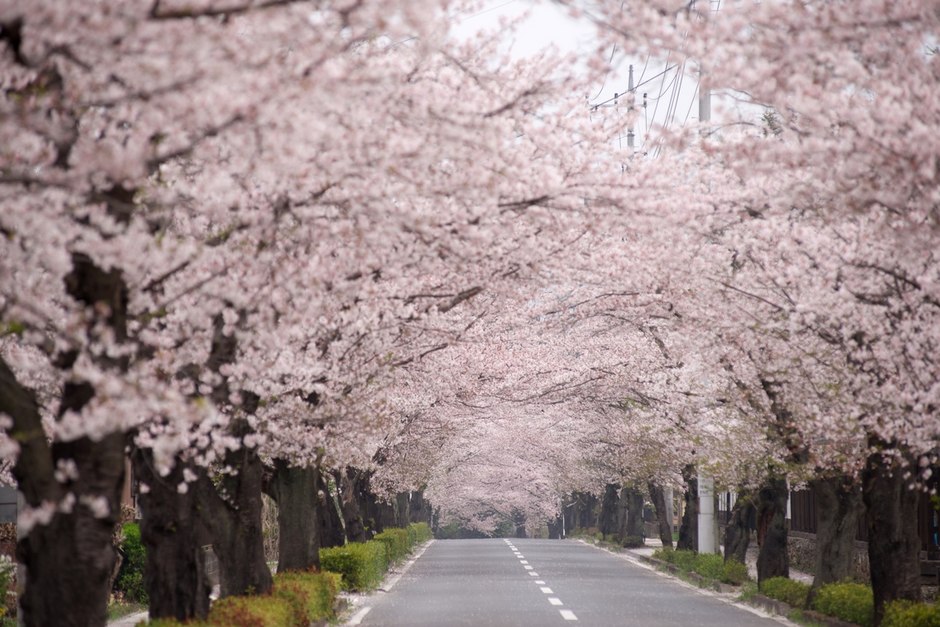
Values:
[(566, 614)]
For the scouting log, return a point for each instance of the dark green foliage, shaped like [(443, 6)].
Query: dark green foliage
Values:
[(851, 602), (909, 614), (633, 542), (786, 590), (130, 579), (362, 564), (734, 572), (252, 611)]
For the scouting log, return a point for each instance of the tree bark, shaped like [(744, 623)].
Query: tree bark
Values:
[(173, 533), (349, 504), (658, 497), (79, 539), (587, 511), (773, 559), (519, 521), (838, 507), (607, 522), (232, 513), (893, 542), (634, 501), (738, 530), (295, 491), (688, 529), (420, 508), (330, 523)]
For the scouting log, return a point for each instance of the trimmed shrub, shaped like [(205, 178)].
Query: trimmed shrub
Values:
[(910, 614), (252, 611), (422, 532), (397, 546), (633, 542), (684, 559), (709, 565), (851, 602), (130, 579), (310, 595), (734, 572), (786, 590), (362, 564)]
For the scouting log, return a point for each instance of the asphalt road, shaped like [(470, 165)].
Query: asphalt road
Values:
[(534, 583)]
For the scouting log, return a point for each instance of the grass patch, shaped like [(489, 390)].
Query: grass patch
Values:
[(787, 590)]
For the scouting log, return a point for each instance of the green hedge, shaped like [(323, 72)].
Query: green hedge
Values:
[(362, 564), (397, 544), (909, 614), (252, 611), (310, 595), (422, 531), (707, 565), (786, 590), (298, 599), (851, 602), (130, 579)]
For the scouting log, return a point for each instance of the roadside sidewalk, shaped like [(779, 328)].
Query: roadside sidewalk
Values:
[(130, 620)]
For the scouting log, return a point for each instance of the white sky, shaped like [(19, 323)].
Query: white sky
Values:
[(671, 95)]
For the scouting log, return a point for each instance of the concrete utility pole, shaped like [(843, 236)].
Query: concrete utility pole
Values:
[(630, 90), (706, 515)]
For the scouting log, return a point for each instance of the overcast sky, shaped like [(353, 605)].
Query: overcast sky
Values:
[(671, 97)]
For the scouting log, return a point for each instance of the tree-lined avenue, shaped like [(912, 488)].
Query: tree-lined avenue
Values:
[(484, 583)]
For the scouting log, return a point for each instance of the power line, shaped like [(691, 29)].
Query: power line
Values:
[(617, 95)]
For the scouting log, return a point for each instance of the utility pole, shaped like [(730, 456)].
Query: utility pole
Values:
[(707, 529), (706, 515), (630, 90)]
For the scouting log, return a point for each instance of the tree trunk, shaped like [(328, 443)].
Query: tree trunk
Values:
[(295, 491), (420, 508), (69, 560), (349, 504), (171, 530), (607, 523), (773, 559), (73, 555), (233, 516), (330, 523), (623, 516), (634, 501), (688, 529), (738, 530), (587, 511), (838, 506), (519, 520), (658, 497), (893, 543)]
